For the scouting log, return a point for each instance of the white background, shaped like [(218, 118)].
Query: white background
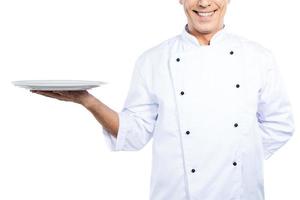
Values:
[(50, 149)]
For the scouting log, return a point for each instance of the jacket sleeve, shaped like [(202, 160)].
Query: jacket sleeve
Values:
[(138, 116), (274, 110)]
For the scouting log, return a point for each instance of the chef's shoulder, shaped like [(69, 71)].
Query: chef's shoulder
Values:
[(155, 55), (158, 50), (254, 50)]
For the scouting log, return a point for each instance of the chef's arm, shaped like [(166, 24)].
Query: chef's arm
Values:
[(132, 127), (135, 123), (274, 111), (107, 117)]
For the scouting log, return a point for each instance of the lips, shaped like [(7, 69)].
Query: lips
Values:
[(205, 14)]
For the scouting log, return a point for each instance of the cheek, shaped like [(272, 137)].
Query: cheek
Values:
[(222, 10), (221, 4), (189, 11)]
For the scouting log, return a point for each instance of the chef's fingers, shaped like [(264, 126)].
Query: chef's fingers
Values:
[(47, 94), (51, 94), (72, 95), (62, 92), (65, 94)]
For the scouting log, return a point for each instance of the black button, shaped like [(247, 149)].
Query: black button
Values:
[(237, 85), (182, 92), (231, 52), (236, 125), (193, 170), (234, 163), (187, 132), (178, 59)]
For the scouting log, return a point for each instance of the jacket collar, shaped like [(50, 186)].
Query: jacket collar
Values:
[(191, 39)]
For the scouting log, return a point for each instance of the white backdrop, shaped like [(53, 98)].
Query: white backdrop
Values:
[(50, 149)]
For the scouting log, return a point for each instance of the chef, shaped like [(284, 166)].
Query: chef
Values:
[(214, 104)]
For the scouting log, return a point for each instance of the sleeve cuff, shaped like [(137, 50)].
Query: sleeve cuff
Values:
[(117, 144)]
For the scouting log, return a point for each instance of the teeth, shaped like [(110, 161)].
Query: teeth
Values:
[(205, 14)]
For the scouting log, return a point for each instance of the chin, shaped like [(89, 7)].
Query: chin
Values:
[(203, 30)]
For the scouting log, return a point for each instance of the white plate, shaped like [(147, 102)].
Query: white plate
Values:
[(52, 85)]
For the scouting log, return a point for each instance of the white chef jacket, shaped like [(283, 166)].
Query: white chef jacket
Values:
[(215, 112)]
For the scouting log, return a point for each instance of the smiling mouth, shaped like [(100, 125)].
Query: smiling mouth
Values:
[(205, 14)]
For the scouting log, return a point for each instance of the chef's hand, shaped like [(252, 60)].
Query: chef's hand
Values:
[(106, 116), (80, 96)]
